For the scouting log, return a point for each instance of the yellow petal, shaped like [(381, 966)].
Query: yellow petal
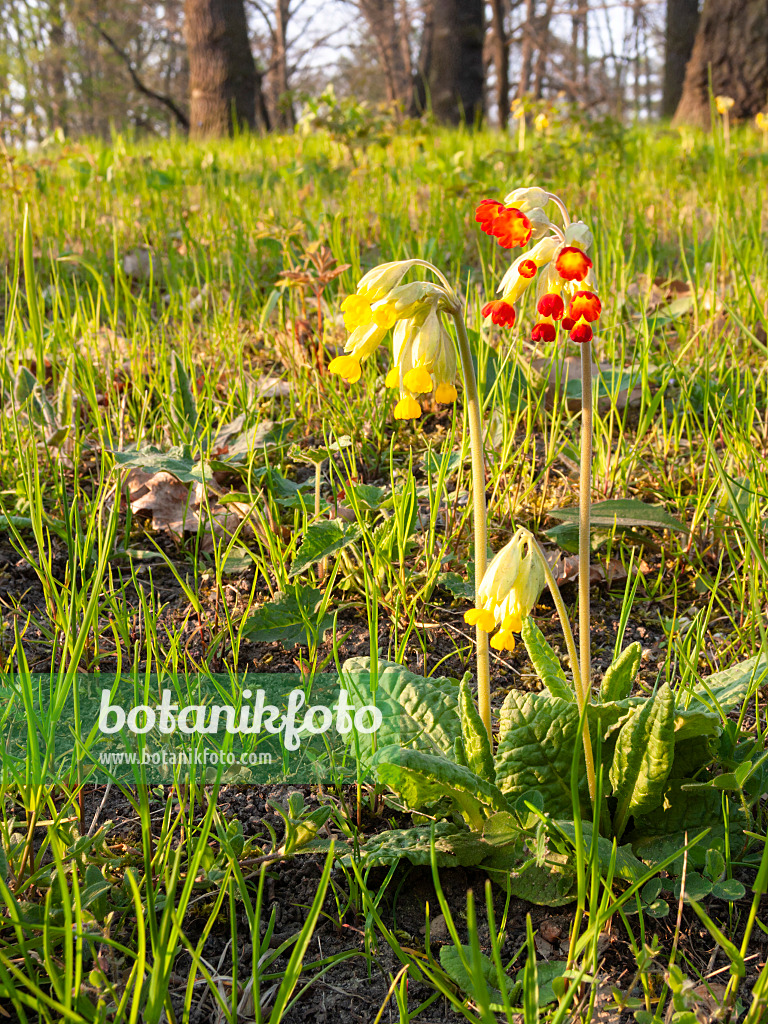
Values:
[(392, 380), (418, 380), (407, 409), (385, 316), (347, 367), (445, 394), (357, 312), (503, 641)]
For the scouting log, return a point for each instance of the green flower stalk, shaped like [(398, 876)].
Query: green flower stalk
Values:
[(425, 364), (566, 299)]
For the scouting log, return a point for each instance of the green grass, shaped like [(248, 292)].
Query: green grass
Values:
[(98, 360)]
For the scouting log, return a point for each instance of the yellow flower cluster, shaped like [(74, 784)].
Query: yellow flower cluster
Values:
[(509, 589), (424, 352)]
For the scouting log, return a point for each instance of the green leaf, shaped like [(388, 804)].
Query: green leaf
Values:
[(454, 846), (622, 512), (451, 962), (696, 886), (619, 677), (537, 734), (551, 884), (728, 689), (291, 618), (177, 461), (318, 455), (183, 404), (627, 865), (457, 585), (643, 758), (420, 778), (323, 539), (477, 747), (680, 811), (545, 662), (729, 889), (547, 971), (416, 712)]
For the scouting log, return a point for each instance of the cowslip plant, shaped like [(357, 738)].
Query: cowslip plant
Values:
[(425, 363)]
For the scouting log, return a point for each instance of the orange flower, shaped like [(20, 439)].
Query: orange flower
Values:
[(551, 305), (486, 212), (586, 305), (572, 264), (511, 227), (527, 269), (500, 312), (582, 333), (567, 324), (544, 330)]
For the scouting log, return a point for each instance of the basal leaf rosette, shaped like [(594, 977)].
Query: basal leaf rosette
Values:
[(566, 295), (424, 353)]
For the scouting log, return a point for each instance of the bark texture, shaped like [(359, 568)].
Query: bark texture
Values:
[(500, 51), (732, 38), (456, 74), (222, 74), (682, 22)]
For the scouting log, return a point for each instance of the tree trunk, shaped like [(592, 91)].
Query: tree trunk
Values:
[(285, 115), (544, 41), (391, 45), (682, 22), (500, 60), (456, 75), (222, 74), (732, 39), (526, 51)]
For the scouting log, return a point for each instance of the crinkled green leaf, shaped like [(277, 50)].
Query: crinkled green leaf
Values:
[(619, 677), (477, 747), (420, 778), (691, 755), (454, 846), (551, 884), (318, 455), (537, 735), (727, 689), (177, 461), (324, 539), (622, 512), (627, 864), (545, 662), (679, 811), (416, 712), (643, 758), (291, 618), (451, 962)]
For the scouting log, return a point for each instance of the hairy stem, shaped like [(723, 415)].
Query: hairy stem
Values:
[(585, 496), (582, 695), (474, 418)]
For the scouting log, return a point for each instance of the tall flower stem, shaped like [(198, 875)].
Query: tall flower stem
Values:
[(474, 418), (582, 694), (479, 518), (585, 497)]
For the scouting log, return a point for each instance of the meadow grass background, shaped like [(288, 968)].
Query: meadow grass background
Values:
[(143, 257)]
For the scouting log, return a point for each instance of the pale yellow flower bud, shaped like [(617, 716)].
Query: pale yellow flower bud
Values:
[(377, 283), (525, 199), (578, 234)]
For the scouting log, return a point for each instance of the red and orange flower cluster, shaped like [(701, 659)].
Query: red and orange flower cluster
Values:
[(565, 291)]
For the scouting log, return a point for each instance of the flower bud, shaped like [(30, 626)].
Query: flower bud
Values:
[(526, 199), (377, 283)]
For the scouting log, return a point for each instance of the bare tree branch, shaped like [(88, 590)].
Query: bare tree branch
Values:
[(166, 101)]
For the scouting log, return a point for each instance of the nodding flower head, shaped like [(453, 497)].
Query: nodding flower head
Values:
[(425, 356), (507, 224), (565, 292), (509, 590)]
